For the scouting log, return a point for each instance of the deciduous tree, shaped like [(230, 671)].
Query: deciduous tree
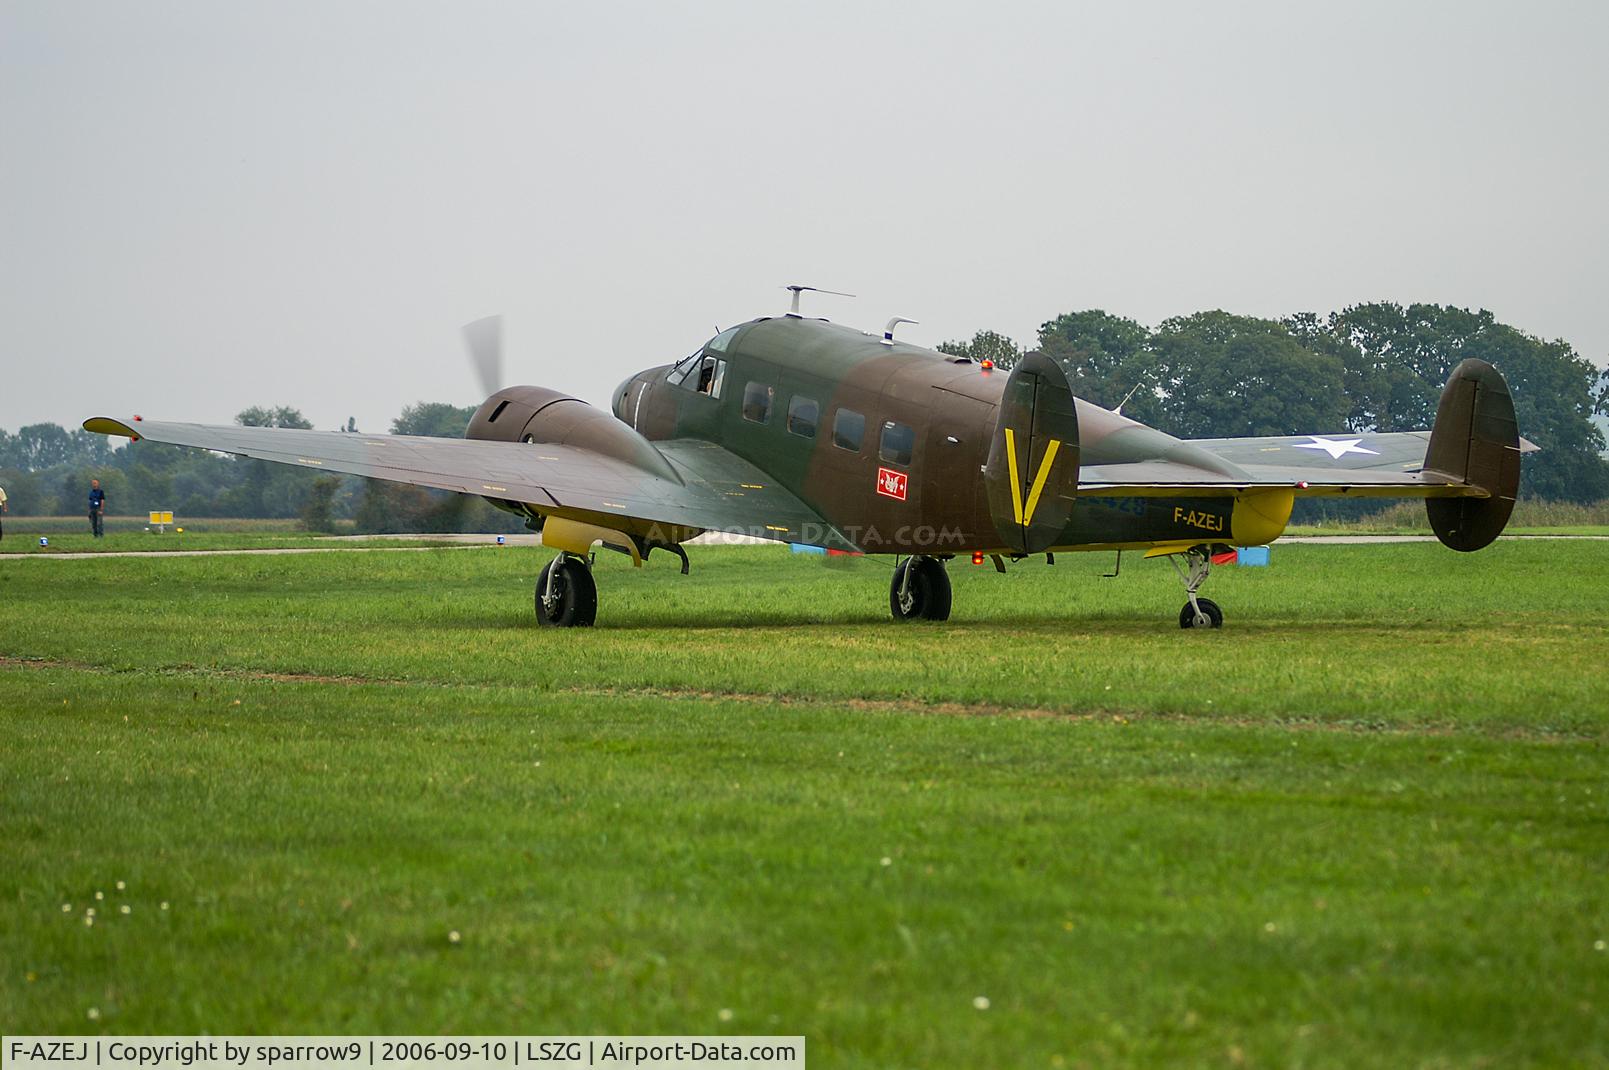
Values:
[(986, 345), (436, 419), (282, 416), (1221, 375), (1106, 360)]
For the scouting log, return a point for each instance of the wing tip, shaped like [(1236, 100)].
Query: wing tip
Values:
[(106, 425)]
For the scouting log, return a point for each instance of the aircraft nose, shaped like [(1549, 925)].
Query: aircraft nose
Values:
[(619, 398)]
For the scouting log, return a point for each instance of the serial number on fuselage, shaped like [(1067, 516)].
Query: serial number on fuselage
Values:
[(1190, 518), (1142, 508)]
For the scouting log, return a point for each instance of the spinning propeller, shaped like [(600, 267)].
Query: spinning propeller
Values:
[(484, 339)]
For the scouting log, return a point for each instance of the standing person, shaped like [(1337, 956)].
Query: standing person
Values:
[(2, 512), (97, 507)]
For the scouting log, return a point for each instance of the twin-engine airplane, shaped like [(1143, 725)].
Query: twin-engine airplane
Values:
[(804, 431)]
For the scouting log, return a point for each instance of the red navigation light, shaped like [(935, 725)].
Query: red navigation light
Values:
[(1301, 484), (977, 557), (988, 365), (138, 417)]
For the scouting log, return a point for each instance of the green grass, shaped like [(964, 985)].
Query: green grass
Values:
[(76, 542), (1365, 824)]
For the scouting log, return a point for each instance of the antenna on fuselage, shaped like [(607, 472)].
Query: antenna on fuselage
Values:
[(797, 290), (888, 331), (1125, 401)]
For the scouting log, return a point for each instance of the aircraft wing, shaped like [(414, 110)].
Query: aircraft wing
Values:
[(718, 491), (1357, 465), (1402, 451), (1354, 464)]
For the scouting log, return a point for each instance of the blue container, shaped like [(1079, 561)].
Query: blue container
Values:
[(1252, 555)]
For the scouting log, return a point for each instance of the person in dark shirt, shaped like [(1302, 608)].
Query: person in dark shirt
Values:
[(97, 507)]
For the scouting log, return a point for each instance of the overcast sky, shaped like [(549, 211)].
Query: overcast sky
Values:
[(208, 205)]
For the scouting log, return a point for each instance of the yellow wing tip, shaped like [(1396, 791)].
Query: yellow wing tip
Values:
[(105, 425)]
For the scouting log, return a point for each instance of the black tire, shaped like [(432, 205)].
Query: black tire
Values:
[(929, 594), (575, 595), (1215, 616)]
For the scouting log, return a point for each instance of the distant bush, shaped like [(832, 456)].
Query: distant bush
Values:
[(1528, 513), (318, 514)]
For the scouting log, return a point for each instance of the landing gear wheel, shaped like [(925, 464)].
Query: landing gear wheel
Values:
[(1198, 612), (1211, 616), (920, 590), (566, 596)]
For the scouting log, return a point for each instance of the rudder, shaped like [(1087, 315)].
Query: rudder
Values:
[(1032, 473), (1475, 440)]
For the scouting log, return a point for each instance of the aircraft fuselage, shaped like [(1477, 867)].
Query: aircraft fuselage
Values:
[(889, 441)]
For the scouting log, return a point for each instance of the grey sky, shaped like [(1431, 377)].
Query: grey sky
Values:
[(205, 206)]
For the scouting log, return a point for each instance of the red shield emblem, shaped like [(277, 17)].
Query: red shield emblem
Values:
[(891, 484)]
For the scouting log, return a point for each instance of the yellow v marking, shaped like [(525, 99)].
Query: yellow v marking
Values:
[(1025, 514), (1011, 468), (1039, 481)]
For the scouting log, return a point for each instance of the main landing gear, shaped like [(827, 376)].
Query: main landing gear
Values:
[(566, 596), (1197, 612), (920, 590)]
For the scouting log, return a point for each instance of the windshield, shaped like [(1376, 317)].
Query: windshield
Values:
[(682, 372), (684, 367)]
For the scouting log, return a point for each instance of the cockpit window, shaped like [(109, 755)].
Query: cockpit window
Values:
[(687, 371), (682, 369), (699, 372), (711, 376)]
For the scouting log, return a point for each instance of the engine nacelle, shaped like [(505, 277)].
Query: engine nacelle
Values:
[(538, 414)]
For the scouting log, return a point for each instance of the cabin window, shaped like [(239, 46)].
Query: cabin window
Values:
[(803, 413), (757, 403), (898, 440), (711, 376), (848, 427)]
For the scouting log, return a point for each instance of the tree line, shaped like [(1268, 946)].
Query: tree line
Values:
[(1368, 368)]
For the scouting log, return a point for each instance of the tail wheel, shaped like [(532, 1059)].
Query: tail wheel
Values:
[(920, 590), (566, 596), (1210, 616)]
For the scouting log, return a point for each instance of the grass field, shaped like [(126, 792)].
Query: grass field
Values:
[(151, 542), (1365, 824), (71, 535)]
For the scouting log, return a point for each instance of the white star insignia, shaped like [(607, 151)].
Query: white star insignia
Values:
[(1336, 448)]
